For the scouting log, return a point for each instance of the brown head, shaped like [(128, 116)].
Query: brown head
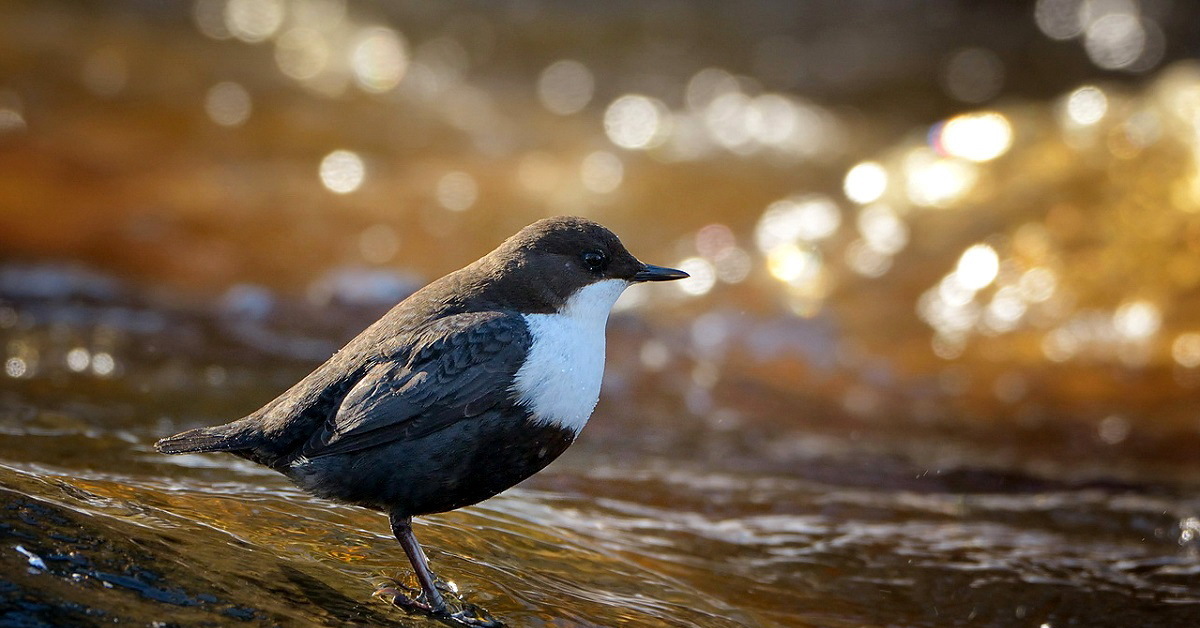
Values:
[(540, 267)]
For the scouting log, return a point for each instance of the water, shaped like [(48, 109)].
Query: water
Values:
[(627, 529)]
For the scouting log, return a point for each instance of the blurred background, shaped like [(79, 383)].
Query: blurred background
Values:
[(936, 363)]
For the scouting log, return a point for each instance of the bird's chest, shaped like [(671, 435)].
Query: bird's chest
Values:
[(559, 381)]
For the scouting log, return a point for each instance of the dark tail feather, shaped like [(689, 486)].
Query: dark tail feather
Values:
[(217, 438)]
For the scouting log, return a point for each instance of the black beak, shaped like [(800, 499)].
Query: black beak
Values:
[(658, 273)]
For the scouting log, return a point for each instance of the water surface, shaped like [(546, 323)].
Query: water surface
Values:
[(814, 531)]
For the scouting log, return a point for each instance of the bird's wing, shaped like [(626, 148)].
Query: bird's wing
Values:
[(463, 367)]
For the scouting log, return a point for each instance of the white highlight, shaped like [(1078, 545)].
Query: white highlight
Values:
[(978, 267), (866, 182), (342, 171), (1087, 105), (560, 379), (976, 136)]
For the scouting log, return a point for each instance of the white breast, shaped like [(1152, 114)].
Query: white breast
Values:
[(560, 379)]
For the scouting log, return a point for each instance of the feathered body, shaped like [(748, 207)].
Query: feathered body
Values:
[(472, 384)]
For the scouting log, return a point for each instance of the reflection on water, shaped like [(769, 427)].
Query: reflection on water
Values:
[(821, 534), (597, 544)]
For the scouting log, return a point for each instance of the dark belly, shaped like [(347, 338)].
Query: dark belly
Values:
[(460, 465)]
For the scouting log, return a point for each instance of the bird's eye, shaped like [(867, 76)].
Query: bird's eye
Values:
[(595, 261)]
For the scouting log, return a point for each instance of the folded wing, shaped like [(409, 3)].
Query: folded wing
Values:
[(462, 366)]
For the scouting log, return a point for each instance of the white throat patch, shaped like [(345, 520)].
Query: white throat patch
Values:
[(560, 379)]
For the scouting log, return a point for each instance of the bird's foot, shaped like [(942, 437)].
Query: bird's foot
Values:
[(406, 597), (452, 611)]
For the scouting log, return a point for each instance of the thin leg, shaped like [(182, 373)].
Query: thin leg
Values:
[(402, 528)]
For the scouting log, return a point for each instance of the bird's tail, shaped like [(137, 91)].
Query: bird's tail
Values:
[(218, 438)]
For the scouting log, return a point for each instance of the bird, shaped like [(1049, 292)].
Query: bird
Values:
[(467, 387)]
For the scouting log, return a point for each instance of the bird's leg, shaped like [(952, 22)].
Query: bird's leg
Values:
[(402, 528), (465, 615)]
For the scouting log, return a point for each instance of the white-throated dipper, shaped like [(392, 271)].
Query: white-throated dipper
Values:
[(469, 386)]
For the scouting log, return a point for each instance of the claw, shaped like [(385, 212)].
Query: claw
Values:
[(413, 600), (407, 598), (472, 615)]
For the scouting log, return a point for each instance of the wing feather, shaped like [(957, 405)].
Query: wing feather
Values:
[(461, 367)]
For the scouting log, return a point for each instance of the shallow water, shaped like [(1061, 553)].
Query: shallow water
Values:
[(97, 527)]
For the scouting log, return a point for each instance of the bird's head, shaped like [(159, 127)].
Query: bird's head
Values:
[(545, 265)]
